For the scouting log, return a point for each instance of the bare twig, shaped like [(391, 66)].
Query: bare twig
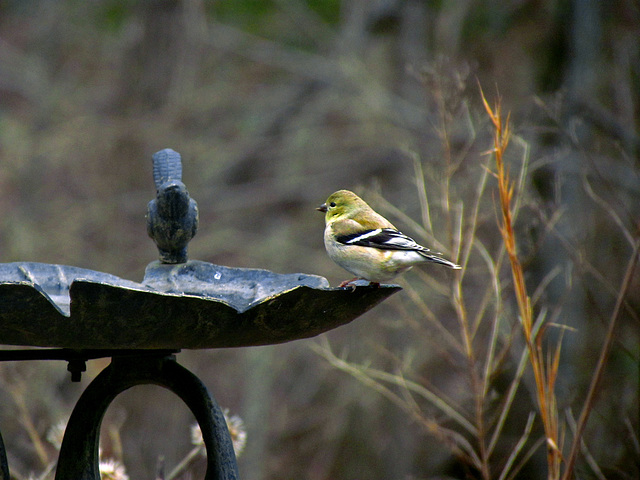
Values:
[(545, 373), (602, 361)]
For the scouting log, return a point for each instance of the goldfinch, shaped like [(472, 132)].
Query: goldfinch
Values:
[(366, 244)]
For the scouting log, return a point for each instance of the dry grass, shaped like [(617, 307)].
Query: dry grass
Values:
[(478, 427), (478, 343), (543, 363)]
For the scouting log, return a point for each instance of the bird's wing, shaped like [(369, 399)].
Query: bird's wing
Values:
[(383, 238)]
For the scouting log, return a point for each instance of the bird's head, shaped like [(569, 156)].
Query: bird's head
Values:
[(342, 204)]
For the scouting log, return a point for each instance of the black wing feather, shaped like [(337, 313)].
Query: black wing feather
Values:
[(383, 238)]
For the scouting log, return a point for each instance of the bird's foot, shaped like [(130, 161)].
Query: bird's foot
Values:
[(352, 286), (349, 284)]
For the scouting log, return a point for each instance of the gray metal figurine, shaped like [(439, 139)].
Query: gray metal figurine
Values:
[(172, 218)]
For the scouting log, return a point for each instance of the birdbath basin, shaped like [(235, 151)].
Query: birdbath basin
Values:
[(76, 314), (191, 305)]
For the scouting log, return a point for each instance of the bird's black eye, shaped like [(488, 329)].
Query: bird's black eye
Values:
[(332, 204)]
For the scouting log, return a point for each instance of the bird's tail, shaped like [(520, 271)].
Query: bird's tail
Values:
[(436, 259)]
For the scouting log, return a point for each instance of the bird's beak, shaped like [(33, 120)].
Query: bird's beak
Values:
[(322, 208)]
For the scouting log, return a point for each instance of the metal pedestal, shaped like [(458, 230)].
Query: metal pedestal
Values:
[(78, 458)]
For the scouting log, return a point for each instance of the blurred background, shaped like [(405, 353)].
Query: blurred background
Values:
[(274, 105)]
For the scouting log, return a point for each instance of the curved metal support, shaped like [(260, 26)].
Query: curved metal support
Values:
[(4, 465), (79, 452)]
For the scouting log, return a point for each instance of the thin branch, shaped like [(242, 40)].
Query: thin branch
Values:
[(583, 448), (458, 444), (525, 459), (607, 208), (422, 191), (372, 376), (602, 361), (518, 446), (511, 394), (544, 373)]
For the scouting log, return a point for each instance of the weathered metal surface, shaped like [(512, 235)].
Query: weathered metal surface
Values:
[(79, 452), (240, 288), (193, 305)]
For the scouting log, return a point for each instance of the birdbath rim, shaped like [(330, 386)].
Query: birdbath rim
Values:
[(191, 305)]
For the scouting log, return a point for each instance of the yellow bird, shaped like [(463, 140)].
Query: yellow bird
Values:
[(366, 244)]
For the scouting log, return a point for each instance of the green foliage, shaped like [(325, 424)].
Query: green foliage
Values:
[(113, 14), (328, 10), (248, 14)]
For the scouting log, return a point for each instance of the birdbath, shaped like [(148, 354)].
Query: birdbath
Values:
[(75, 315)]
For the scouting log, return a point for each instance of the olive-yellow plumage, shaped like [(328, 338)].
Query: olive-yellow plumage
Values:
[(366, 244)]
